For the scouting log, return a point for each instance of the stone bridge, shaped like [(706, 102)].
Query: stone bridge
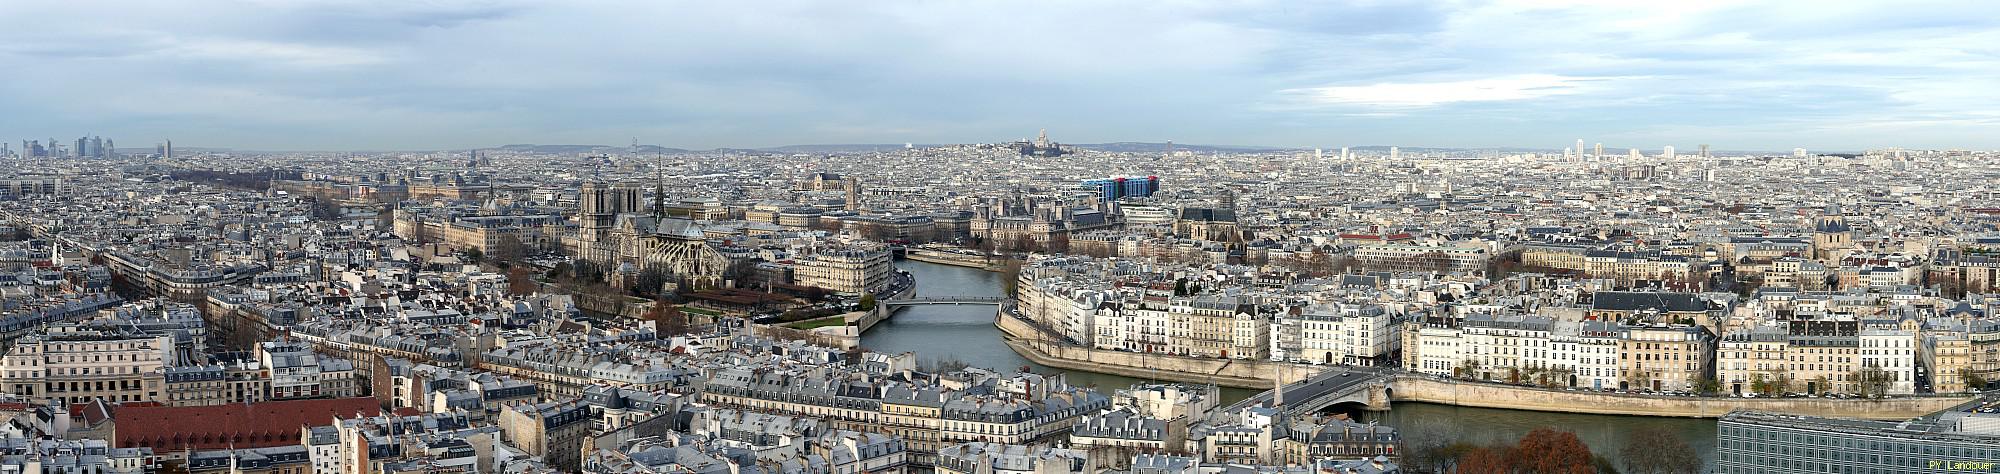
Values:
[(1367, 387)]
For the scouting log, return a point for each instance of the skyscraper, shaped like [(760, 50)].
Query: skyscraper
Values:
[(1704, 150), (1344, 155), (1394, 153), (1668, 153), (1633, 154), (1579, 147), (1600, 150)]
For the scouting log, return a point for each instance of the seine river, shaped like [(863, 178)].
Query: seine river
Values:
[(966, 333)]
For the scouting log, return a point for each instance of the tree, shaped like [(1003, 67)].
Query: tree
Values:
[(1871, 380), (854, 356), (1485, 460), (1653, 450), (650, 281), (1560, 376), (1548, 451), (1642, 379), (1781, 381), (1707, 385), (1469, 368), (1010, 275), (868, 302), (1058, 242), (741, 270), (668, 321), (1821, 385), (1428, 442), (1973, 380), (943, 364), (561, 270), (474, 255), (521, 282)]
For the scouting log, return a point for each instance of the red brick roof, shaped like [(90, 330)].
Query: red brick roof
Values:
[(225, 426)]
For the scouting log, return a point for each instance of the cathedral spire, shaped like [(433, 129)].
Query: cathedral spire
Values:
[(659, 185)]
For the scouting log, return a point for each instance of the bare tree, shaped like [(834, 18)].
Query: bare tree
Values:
[(521, 282), (1428, 442), (668, 321), (1654, 450)]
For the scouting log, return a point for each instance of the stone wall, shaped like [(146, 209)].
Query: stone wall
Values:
[(617, 304), (1413, 388), (1486, 395)]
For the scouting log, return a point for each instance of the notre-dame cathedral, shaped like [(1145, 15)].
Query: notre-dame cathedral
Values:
[(614, 233)]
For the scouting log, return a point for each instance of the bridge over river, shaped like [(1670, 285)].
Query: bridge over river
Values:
[(949, 300), (1335, 386)]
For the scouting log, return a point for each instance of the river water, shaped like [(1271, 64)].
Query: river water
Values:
[(966, 333)]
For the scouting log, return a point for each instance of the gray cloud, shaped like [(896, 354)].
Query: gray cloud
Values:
[(442, 74)]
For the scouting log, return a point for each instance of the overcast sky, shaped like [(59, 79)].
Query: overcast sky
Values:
[(418, 75)]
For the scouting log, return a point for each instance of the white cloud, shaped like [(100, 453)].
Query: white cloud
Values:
[(271, 52), (1427, 94)]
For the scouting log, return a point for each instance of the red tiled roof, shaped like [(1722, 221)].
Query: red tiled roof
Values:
[(224, 426)]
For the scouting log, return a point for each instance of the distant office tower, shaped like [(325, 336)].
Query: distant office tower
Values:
[(1704, 150), (1633, 154), (1344, 155), (1579, 147), (1600, 150), (1569, 154), (1668, 153), (82, 148), (1319, 154), (110, 148), (1394, 153), (1798, 152)]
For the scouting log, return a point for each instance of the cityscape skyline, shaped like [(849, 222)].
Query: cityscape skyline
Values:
[(1040, 237), (280, 76)]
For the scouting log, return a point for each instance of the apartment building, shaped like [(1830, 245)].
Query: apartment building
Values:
[(554, 431), (852, 271), (1666, 358), (70, 364)]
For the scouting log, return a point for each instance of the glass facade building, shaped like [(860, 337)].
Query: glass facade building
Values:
[(1757, 442), (1110, 189)]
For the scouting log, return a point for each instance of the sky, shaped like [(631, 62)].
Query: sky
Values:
[(426, 75)]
